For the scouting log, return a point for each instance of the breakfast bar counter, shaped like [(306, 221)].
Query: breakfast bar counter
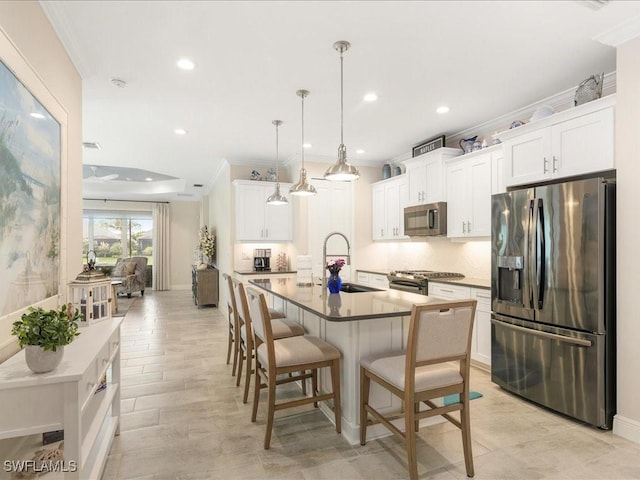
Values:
[(343, 306), (358, 324)]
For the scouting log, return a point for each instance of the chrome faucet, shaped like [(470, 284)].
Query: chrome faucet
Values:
[(324, 255)]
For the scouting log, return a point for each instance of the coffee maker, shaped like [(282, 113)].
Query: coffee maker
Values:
[(262, 259)]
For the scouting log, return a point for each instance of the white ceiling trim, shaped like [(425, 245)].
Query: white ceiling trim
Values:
[(620, 34)]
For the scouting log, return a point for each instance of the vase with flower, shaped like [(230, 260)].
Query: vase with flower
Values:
[(334, 282), (207, 246)]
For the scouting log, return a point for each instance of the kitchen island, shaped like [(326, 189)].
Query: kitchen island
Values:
[(358, 324)]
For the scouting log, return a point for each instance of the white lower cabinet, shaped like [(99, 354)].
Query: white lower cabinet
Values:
[(375, 280), (481, 340)]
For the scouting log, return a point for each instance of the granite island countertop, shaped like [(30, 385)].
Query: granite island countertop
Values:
[(341, 307)]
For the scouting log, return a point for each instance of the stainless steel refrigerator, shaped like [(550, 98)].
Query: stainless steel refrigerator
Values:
[(553, 297)]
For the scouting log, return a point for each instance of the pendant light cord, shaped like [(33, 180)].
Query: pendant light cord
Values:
[(341, 99), (277, 155), (302, 97)]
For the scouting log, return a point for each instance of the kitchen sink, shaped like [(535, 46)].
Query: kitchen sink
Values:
[(354, 288)]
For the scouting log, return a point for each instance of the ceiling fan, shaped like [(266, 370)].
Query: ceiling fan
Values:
[(104, 178)]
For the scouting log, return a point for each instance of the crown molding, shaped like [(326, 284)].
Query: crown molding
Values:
[(621, 33)]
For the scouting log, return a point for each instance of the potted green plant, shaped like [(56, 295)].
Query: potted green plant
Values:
[(44, 333)]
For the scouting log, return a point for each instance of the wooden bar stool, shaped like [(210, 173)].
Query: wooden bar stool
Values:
[(289, 356), (282, 328), (438, 334), (232, 312)]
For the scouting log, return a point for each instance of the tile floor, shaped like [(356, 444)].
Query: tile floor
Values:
[(183, 418)]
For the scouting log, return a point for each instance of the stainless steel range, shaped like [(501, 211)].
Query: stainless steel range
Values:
[(417, 281)]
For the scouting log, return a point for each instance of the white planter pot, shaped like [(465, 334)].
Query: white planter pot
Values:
[(41, 361)]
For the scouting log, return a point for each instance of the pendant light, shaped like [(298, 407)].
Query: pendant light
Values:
[(303, 188), (277, 198), (341, 170)]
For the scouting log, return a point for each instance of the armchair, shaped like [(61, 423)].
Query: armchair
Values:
[(132, 272)]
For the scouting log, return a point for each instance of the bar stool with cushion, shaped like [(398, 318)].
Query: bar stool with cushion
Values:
[(438, 334), (232, 312), (293, 356), (282, 328)]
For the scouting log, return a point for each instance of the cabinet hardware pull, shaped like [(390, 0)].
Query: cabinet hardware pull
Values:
[(546, 162), (468, 227), (555, 169), (478, 295), (266, 233), (463, 228), (382, 232), (445, 290)]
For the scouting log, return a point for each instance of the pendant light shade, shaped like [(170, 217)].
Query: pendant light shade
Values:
[(303, 188), (276, 198), (342, 170)]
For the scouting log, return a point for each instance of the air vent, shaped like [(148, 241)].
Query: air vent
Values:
[(184, 195), (198, 185), (594, 4), (94, 145)]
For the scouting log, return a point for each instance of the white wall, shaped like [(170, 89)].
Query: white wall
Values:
[(185, 236), (627, 420), (221, 222), (33, 41)]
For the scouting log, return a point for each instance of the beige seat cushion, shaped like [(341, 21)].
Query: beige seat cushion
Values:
[(391, 367), (299, 350), (282, 328), (273, 313)]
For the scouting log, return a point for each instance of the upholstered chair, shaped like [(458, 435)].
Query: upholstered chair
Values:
[(300, 357), (435, 364), (132, 272)]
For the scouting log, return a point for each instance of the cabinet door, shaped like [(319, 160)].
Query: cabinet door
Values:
[(435, 177), (479, 198), (250, 207), (403, 194), (417, 184), (379, 212), (481, 342), (497, 171), (448, 291), (584, 144), (528, 157), (457, 199), (277, 218), (392, 206)]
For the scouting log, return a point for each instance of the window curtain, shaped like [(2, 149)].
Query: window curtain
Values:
[(161, 247)]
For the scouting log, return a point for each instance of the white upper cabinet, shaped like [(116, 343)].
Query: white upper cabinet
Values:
[(389, 199), (330, 210), (469, 187), (426, 176), (257, 221), (573, 142)]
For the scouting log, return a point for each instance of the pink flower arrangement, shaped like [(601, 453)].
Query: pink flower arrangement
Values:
[(334, 266)]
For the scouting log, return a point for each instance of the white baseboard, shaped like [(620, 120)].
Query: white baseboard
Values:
[(626, 428)]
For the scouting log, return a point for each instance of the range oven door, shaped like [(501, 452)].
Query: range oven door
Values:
[(408, 286), (565, 370)]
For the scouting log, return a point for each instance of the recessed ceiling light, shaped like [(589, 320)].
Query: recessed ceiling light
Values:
[(39, 116), (306, 145), (360, 151), (180, 131), (442, 109), (185, 64), (149, 179), (370, 97)]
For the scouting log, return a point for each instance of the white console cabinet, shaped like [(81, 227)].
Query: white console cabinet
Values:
[(69, 399)]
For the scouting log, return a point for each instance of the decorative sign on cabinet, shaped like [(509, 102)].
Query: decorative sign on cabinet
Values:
[(255, 220), (573, 142), (389, 199), (426, 176)]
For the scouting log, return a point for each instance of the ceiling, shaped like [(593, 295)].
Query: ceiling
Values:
[(481, 58)]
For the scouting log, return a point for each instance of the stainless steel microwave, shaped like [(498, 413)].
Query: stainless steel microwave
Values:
[(426, 220)]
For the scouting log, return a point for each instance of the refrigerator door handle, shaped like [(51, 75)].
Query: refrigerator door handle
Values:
[(552, 336), (540, 254), (531, 271)]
